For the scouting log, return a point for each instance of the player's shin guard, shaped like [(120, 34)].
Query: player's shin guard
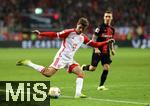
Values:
[(103, 77), (79, 85)]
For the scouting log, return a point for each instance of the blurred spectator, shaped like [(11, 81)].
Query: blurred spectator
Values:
[(64, 13)]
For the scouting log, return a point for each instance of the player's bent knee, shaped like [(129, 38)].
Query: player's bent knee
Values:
[(106, 67), (80, 75), (46, 73)]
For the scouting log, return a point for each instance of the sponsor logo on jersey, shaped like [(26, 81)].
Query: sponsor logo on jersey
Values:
[(106, 36)]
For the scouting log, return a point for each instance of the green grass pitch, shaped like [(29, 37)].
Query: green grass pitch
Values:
[(128, 80)]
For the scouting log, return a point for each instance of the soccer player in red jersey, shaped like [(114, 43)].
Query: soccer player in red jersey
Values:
[(103, 32), (72, 39)]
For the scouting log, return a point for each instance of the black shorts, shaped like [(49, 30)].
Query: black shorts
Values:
[(104, 58)]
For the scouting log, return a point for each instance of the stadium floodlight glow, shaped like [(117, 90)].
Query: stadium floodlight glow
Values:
[(38, 11)]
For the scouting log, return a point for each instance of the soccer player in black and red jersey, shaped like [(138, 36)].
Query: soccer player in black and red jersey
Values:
[(103, 32)]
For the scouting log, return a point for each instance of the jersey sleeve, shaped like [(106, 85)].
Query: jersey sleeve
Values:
[(48, 34), (63, 34), (92, 43)]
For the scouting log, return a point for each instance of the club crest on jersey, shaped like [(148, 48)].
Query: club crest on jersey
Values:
[(97, 30)]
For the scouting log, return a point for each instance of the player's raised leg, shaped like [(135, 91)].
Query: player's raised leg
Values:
[(94, 62), (79, 81), (48, 72), (88, 67), (30, 64)]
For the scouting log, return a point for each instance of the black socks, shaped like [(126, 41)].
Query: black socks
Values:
[(86, 67), (103, 77)]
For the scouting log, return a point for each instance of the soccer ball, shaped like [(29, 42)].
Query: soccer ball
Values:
[(54, 92)]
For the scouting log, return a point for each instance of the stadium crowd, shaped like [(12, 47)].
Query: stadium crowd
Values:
[(128, 14)]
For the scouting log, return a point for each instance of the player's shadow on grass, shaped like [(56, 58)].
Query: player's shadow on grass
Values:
[(63, 97)]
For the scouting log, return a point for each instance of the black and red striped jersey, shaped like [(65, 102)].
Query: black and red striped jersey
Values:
[(103, 33)]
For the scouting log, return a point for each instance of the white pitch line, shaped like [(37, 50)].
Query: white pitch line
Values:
[(120, 101), (116, 86), (113, 100), (107, 100)]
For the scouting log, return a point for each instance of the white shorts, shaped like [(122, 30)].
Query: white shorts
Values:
[(60, 62)]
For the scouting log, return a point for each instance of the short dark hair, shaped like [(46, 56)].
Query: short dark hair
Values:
[(108, 11), (83, 21)]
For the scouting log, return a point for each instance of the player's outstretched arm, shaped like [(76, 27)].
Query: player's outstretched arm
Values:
[(112, 49), (96, 44), (45, 34), (63, 34)]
